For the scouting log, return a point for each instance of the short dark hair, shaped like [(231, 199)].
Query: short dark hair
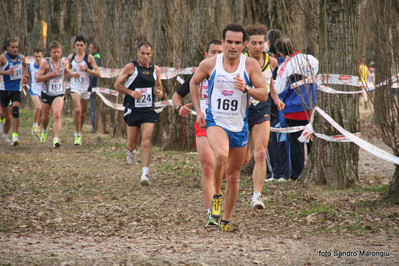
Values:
[(284, 46), (10, 41), (54, 44), (4, 48), (38, 50), (273, 35), (95, 46), (257, 29), (144, 43), (235, 28), (214, 42), (80, 38)]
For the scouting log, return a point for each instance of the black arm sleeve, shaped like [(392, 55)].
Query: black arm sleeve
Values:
[(185, 87)]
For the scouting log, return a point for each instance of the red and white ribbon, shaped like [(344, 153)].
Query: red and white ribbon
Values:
[(352, 137)]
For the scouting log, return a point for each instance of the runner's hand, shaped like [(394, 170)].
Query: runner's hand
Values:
[(136, 94), (280, 105), (11, 71), (184, 111), (77, 75), (82, 68), (201, 120), (55, 72), (239, 83), (159, 93)]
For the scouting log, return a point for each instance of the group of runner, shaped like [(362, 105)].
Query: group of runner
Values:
[(231, 92), (47, 88)]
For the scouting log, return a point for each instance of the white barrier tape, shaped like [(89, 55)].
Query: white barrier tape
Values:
[(179, 79), (331, 90), (166, 72), (393, 79), (120, 107), (337, 138), (355, 139), (104, 90), (170, 72), (116, 106)]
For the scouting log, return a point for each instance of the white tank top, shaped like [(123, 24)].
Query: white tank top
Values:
[(83, 82), (228, 105), (34, 86)]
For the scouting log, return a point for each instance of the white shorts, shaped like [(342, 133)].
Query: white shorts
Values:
[(84, 94)]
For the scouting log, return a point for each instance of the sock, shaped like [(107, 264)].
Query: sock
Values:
[(77, 134), (224, 222), (55, 139), (44, 130), (146, 170), (14, 134), (255, 196)]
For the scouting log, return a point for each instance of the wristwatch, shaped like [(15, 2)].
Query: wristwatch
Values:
[(86, 69), (247, 88), (178, 107)]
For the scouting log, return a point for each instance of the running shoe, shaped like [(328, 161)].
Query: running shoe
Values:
[(282, 179), (34, 130), (5, 138), (211, 221), (78, 141), (144, 180), (38, 134), (43, 137), (216, 210), (224, 226), (257, 203), (130, 157), (56, 143), (269, 179), (15, 140)]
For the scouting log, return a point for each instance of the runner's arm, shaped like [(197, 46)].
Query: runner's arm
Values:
[(273, 93), (200, 74), (255, 76), (68, 72), (96, 71), (119, 84), (3, 61), (41, 76), (25, 71), (158, 83)]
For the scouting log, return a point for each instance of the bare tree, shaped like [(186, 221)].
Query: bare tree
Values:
[(336, 164), (383, 32)]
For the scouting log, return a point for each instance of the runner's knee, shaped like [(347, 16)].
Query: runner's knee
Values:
[(15, 112)]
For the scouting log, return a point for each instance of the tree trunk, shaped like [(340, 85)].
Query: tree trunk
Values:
[(384, 36), (336, 164)]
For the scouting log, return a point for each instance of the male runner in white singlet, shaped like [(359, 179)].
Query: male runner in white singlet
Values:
[(233, 77), (85, 65)]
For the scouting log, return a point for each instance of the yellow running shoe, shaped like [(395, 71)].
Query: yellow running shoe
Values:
[(43, 137), (216, 207), (78, 141), (56, 143), (224, 226), (34, 130)]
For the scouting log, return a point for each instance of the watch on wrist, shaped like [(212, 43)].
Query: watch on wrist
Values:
[(178, 107), (86, 69), (247, 88)]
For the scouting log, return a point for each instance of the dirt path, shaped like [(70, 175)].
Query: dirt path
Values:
[(84, 206)]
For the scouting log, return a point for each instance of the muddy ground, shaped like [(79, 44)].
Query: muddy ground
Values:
[(85, 206)]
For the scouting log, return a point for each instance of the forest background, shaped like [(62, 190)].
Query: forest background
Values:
[(338, 32)]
